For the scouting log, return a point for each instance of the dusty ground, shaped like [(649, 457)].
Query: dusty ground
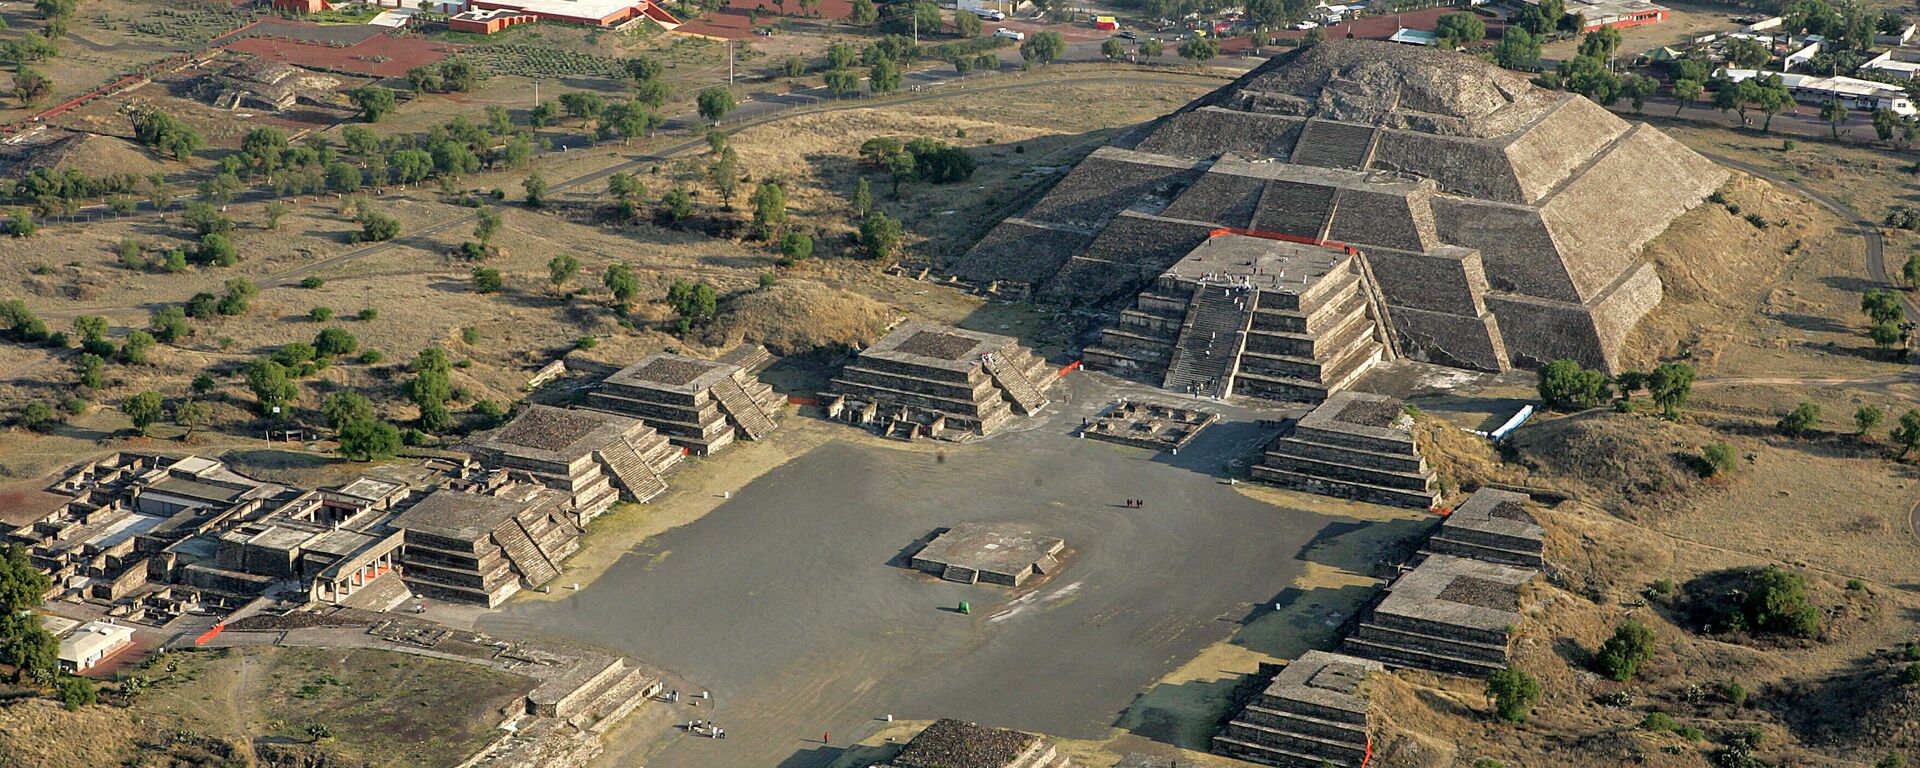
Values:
[(382, 709)]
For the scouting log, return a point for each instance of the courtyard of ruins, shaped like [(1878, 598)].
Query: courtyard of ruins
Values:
[(808, 553)]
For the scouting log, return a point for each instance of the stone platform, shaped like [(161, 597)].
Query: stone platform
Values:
[(934, 380), (701, 405), (1313, 714), (1006, 555), (1449, 615), (1494, 526), (1354, 445)]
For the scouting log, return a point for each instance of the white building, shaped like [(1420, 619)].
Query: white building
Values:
[(1852, 92), (1885, 63), (93, 643)]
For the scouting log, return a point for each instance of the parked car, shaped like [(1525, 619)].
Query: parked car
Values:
[(1304, 25), (989, 14), (1127, 34), (1010, 34)]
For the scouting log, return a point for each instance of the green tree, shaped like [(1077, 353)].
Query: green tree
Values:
[(715, 103), (676, 205), (90, 328), (143, 410), (330, 343), (191, 414), (1670, 385), (1799, 421), (862, 198), (884, 76), (795, 247), (1568, 386), (1151, 49), (535, 186), (863, 13), (366, 439), (135, 349), (695, 302), (374, 102), (1514, 693), (769, 209), (1622, 655), (1042, 48), (1113, 49), (1910, 271), (1199, 50), (1834, 113), (270, 384), (562, 268), (486, 280), (1686, 92), (1458, 30), (1907, 434), (879, 235), (967, 24), (1777, 602), (169, 323), (30, 86), (623, 283), (841, 82), (486, 225), (342, 407), (1881, 306), (1868, 418)]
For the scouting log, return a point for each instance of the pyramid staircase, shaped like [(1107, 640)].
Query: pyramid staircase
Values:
[(1025, 396), (741, 407), (1210, 341), (639, 480), (527, 557)]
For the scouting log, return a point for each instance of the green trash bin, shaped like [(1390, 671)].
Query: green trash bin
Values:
[(966, 608)]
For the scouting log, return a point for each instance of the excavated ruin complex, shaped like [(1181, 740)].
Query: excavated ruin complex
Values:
[(1498, 223)]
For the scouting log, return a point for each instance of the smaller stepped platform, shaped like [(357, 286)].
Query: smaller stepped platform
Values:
[(1449, 615), (952, 381), (1006, 555), (576, 450), (700, 405), (1313, 714), (1357, 446), (949, 743), (1494, 526)]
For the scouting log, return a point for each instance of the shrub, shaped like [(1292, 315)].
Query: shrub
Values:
[(320, 314), (1910, 674), (1778, 603), (367, 314), (1734, 693), (1514, 693), (312, 283), (1799, 421), (1622, 655), (1717, 459), (1659, 721), (1663, 588)]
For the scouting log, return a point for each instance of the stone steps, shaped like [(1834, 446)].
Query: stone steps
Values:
[(1275, 756), (1345, 488), (1445, 545), (1203, 358), (381, 594), (1296, 741), (1015, 384), (525, 555), (746, 414), (621, 696), (639, 480), (1394, 655), (1287, 709)]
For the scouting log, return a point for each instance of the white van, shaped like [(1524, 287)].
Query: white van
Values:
[(1010, 34)]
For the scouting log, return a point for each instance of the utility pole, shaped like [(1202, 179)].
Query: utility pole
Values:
[(730, 58)]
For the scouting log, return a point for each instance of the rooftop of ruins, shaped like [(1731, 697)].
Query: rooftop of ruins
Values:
[(1270, 265), (673, 373), (992, 548), (949, 743), (463, 516), (1459, 592), (1325, 679), (1491, 510), (559, 434), (936, 346), (1361, 413)]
